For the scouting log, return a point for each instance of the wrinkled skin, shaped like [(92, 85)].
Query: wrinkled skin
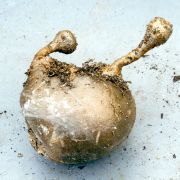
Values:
[(85, 121)]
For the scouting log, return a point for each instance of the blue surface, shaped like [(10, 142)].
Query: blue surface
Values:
[(105, 30)]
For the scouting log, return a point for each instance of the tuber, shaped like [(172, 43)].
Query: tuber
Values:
[(78, 114)]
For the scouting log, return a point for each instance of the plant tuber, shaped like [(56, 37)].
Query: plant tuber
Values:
[(78, 114)]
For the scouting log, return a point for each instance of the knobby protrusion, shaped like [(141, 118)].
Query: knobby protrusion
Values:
[(158, 31), (64, 42)]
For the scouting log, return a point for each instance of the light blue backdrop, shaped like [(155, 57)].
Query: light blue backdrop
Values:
[(105, 30)]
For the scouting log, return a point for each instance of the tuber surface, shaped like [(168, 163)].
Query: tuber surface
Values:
[(78, 114)]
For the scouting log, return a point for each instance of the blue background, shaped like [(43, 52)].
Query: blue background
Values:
[(105, 30)]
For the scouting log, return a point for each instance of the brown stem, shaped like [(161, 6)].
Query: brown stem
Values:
[(158, 31)]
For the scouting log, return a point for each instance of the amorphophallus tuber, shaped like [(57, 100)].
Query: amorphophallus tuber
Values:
[(78, 114)]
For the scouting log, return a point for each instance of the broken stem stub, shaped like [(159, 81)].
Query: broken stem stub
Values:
[(158, 31)]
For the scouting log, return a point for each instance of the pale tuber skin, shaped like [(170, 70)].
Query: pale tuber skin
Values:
[(75, 115)]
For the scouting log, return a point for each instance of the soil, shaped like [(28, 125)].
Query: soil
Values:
[(62, 70), (81, 167), (19, 155), (162, 115), (3, 112), (66, 72)]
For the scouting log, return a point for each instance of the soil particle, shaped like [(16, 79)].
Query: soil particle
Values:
[(81, 167), (176, 78), (154, 67), (165, 100), (174, 156), (3, 112), (162, 115), (19, 155), (145, 55)]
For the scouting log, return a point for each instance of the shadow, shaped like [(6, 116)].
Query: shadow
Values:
[(111, 166)]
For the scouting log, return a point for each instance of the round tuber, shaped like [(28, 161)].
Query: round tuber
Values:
[(78, 114)]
